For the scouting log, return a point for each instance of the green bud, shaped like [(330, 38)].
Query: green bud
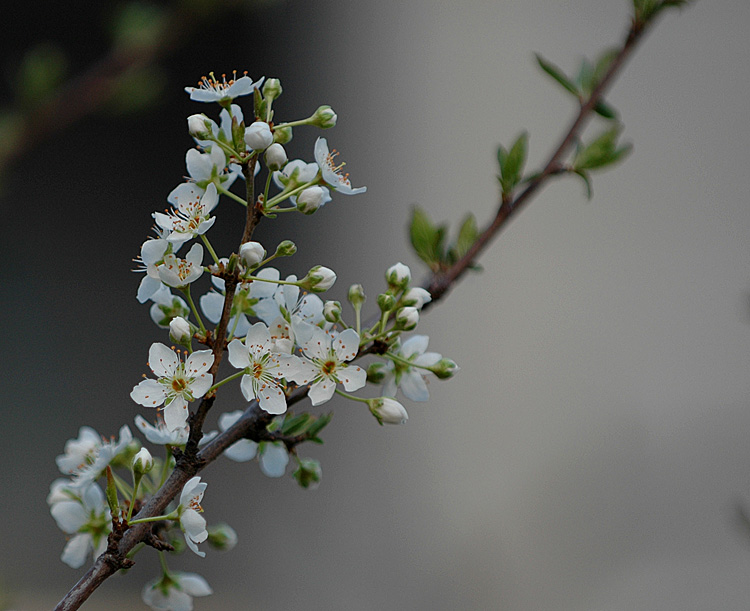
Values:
[(356, 295), (114, 505), (444, 369), (407, 318), (282, 135), (272, 89), (143, 462), (386, 302), (376, 373), (286, 249), (387, 410), (398, 276), (308, 473), (318, 279), (222, 537), (332, 311), (324, 117)]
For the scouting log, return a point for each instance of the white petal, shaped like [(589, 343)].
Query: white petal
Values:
[(246, 385), (69, 516), (149, 393), (321, 391), (272, 399), (352, 377), (194, 584), (241, 451), (176, 414), (258, 340), (238, 355), (76, 550), (194, 525), (346, 345), (199, 362), (416, 344), (274, 460), (212, 304), (229, 418), (200, 385), (413, 386), (162, 360), (185, 193)]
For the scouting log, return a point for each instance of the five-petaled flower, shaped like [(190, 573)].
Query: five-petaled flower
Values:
[(175, 591), (264, 369), (177, 384), (325, 364), (211, 89), (180, 272), (332, 172), (191, 218)]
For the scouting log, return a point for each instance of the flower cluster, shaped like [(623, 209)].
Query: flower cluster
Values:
[(282, 339)]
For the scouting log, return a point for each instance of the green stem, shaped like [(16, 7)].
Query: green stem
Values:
[(122, 486), (234, 376), (287, 194), (210, 248), (399, 359), (170, 516), (136, 483), (186, 292), (163, 562), (231, 195), (352, 397), (165, 466)]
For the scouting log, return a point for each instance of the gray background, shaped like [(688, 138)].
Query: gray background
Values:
[(592, 451)]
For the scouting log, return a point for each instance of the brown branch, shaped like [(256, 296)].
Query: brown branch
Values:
[(252, 424)]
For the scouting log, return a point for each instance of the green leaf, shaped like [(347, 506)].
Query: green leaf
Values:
[(601, 152), (317, 426), (557, 75), (467, 235), (296, 425), (585, 78), (514, 162), (603, 63), (605, 110), (587, 181), (426, 238)]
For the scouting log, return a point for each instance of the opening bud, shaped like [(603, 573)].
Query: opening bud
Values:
[(143, 462), (308, 473), (180, 331), (332, 311), (444, 369), (356, 295), (258, 136), (310, 200), (318, 279), (386, 302), (199, 127), (407, 318), (398, 276), (324, 117), (416, 297), (275, 157), (286, 249), (252, 253), (387, 410), (222, 537)]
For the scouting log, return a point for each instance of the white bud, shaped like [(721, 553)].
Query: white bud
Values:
[(275, 157), (416, 297), (398, 275), (407, 318), (179, 330), (324, 117), (143, 462), (258, 136), (252, 253), (388, 411), (310, 200), (197, 126), (222, 537), (332, 311), (318, 279)]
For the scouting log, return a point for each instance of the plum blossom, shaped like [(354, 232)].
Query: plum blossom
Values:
[(324, 364), (88, 455), (180, 272), (332, 172), (177, 383), (242, 450), (297, 173), (211, 89), (264, 369), (175, 591), (409, 377), (193, 524), (83, 513), (191, 218), (273, 458)]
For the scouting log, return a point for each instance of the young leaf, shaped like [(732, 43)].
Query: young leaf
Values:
[(601, 152), (513, 167), (587, 181), (467, 235), (557, 74), (426, 239)]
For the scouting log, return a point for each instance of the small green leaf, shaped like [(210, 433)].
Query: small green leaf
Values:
[(603, 63), (308, 472), (467, 235), (426, 239), (296, 425), (317, 426), (605, 110), (601, 152), (587, 181), (557, 74), (585, 78), (514, 162)]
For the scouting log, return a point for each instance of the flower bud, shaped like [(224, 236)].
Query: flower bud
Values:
[(222, 537), (324, 117), (308, 473), (252, 253), (258, 136), (318, 279), (444, 369), (286, 249), (275, 157), (282, 135), (388, 411), (386, 302), (407, 318), (416, 297), (398, 276), (180, 331), (376, 373), (310, 200), (356, 295), (332, 311), (143, 462), (198, 126), (272, 89)]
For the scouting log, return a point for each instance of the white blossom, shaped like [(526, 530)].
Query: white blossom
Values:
[(177, 383), (175, 591), (180, 272), (211, 89), (332, 172), (88, 455), (160, 434), (191, 218), (258, 136), (410, 378), (324, 364), (192, 523)]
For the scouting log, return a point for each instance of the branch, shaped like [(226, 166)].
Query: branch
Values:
[(252, 424)]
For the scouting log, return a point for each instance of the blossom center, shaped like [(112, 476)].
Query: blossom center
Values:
[(328, 367), (179, 384)]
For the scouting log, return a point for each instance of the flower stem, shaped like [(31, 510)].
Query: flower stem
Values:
[(186, 292), (231, 195), (210, 248), (352, 397), (234, 376)]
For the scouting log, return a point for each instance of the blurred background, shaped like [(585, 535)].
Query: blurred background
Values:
[(593, 452)]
